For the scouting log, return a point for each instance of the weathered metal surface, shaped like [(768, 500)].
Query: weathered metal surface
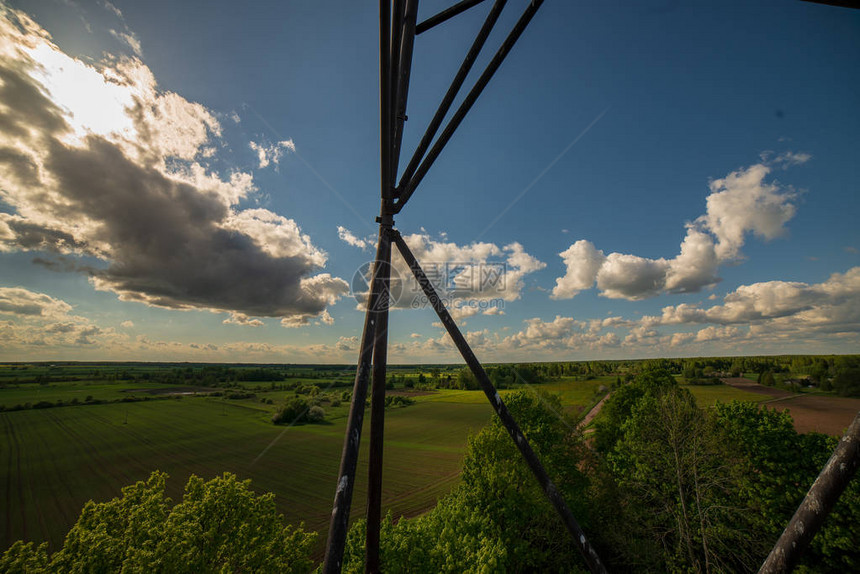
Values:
[(446, 15), (551, 492), (377, 409), (468, 102), (452, 92), (349, 457), (817, 504)]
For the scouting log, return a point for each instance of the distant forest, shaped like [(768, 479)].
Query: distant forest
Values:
[(839, 373)]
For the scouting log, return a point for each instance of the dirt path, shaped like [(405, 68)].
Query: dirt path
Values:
[(591, 414), (824, 414)]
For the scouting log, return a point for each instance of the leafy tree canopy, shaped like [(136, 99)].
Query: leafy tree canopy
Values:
[(497, 519), (220, 525)]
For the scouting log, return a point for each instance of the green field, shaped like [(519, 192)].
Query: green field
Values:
[(53, 460), (67, 392), (708, 395)]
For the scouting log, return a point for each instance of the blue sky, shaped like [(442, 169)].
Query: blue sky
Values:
[(199, 180)]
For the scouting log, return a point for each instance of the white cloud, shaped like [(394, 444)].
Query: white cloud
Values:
[(696, 265), (830, 306), (110, 7), (713, 333), (347, 343), (275, 235), (23, 302), (272, 153), (242, 319), (743, 202), (478, 272), (631, 277), (36, 321), (792, 158), (739, 204), (129, 39), (350, 238), (583, 262), (98, 161)]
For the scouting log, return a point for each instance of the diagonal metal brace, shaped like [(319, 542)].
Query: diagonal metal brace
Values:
[(408, 188), (819, 501), (549, 489)]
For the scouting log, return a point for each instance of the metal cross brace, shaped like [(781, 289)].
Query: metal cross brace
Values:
[(397, 31)]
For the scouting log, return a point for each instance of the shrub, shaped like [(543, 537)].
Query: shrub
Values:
[(316, 414), (298, 410)]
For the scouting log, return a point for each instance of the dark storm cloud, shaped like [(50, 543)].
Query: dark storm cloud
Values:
[(166, 240), (166, 243)]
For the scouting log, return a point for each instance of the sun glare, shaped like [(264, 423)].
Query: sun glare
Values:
[(94, 105)]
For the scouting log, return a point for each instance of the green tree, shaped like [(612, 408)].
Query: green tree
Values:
[(496, 482), (497, 519), (679, 487), (466, 380), (846, 381), (298, 410), (619, 406), (25, 558), (451, 538), (220, 525), (777, 465)]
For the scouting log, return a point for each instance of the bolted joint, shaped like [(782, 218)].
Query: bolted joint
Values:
[(386, 220)]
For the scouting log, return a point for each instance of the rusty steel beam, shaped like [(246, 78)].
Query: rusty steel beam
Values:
[(400, 85), (349, 456), (817, 503), (397, 32), (549, 489), (445, 15), (385, 104), (452, 92), (409, 188), (377, 407)]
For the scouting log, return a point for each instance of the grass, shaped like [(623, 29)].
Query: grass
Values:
[(575, 392), (32, 393), (708, 395), (54, 460)]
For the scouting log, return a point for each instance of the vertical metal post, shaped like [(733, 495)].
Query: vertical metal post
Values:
[(817, 504), (551, 492), (390, 30), (377, 407), (349, 456), (400, 81), (396, 37), (385, 91)]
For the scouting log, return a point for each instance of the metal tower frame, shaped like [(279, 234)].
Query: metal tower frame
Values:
[(398, 27)]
